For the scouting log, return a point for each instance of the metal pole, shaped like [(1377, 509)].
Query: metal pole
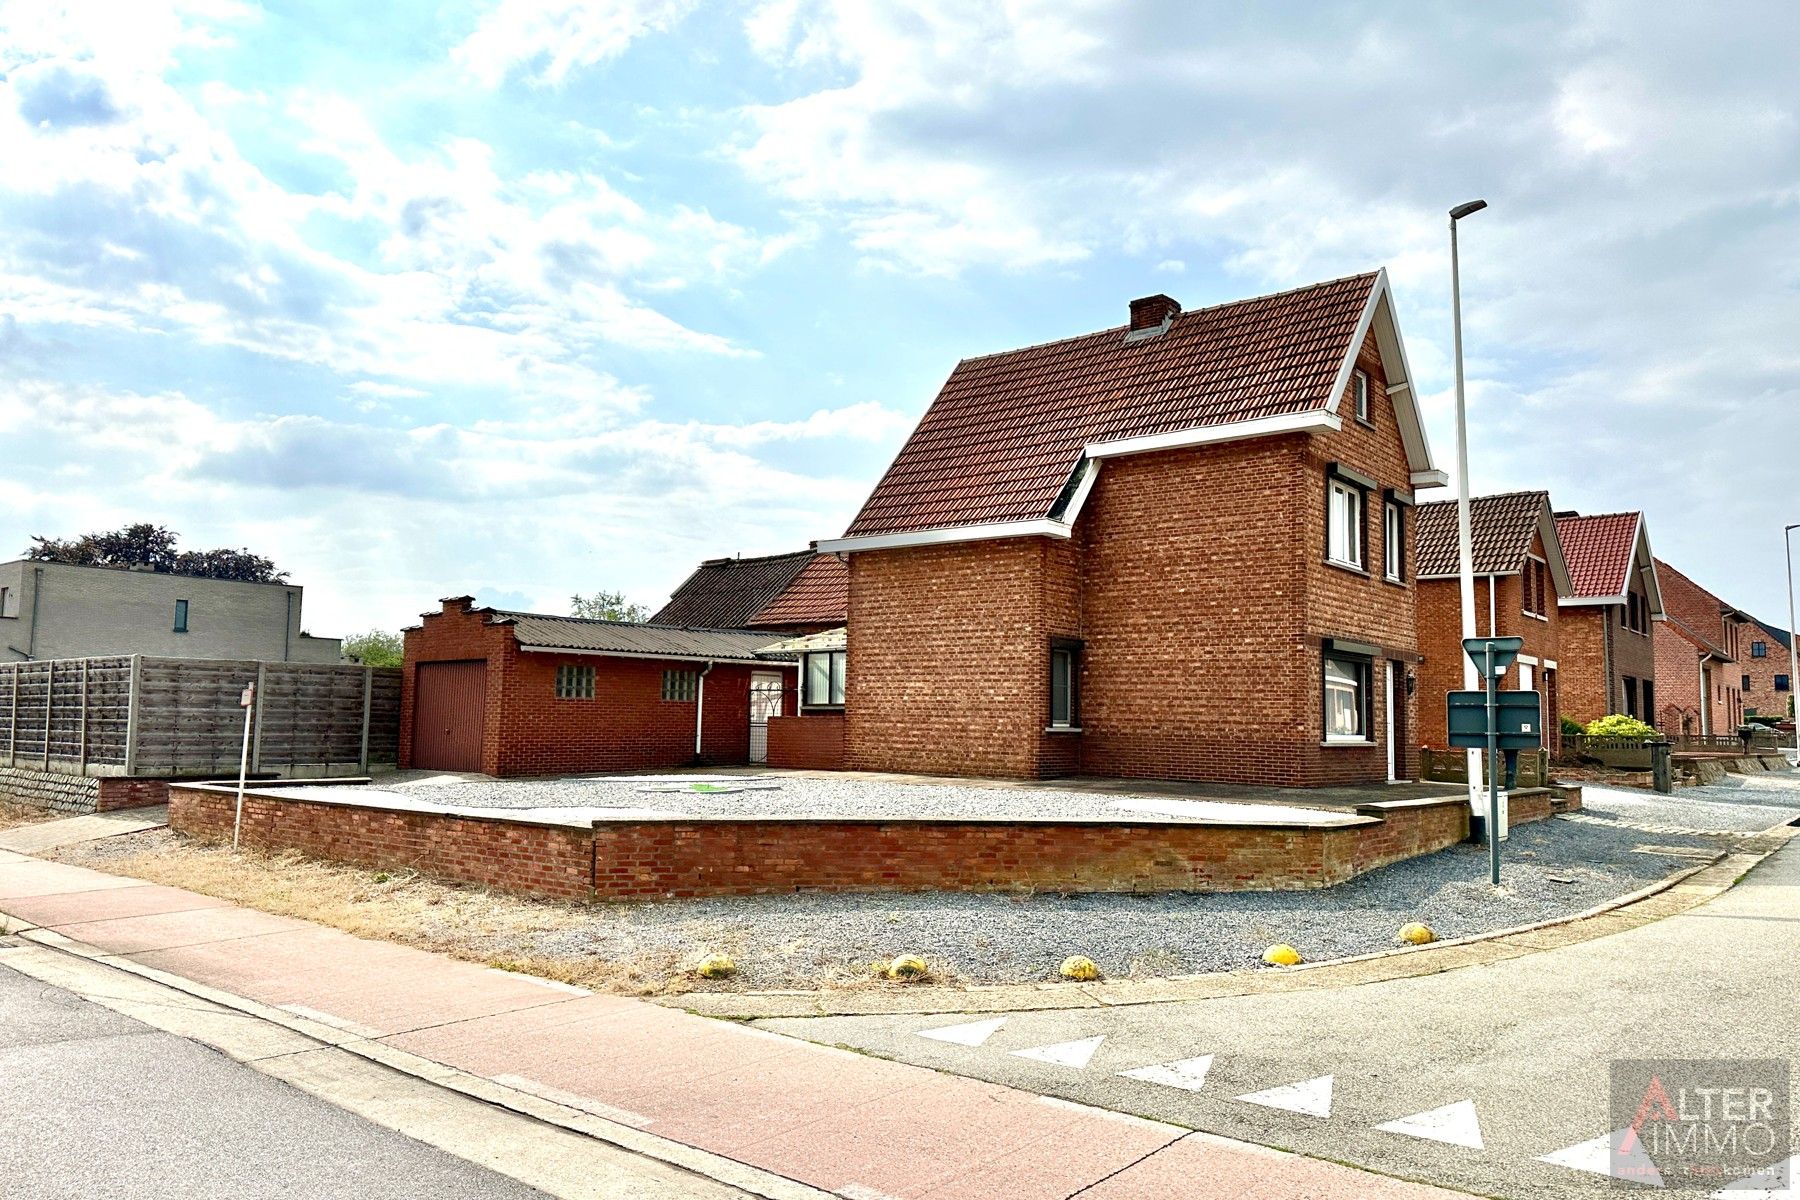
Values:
[(1787, 540), (1493, 780), (237, 821), (1464, 549)]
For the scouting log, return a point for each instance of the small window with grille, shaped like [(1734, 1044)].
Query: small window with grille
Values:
[(574, 683)]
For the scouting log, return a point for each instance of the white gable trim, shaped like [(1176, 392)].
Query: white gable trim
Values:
[(1314, 421), (1378, 315), (944, 537)]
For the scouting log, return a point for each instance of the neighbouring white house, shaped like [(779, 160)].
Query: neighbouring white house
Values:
[(55, 610)]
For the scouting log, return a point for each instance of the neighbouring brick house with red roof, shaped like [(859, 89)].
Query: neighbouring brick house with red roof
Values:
[(1179, 548), (1520, 575), (1767, 670), (1608, 662), (1699, 686)]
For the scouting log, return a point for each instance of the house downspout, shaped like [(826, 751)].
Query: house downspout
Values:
[(287, 630), (700, 711)]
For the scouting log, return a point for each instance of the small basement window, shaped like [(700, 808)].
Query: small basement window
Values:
[(1346, 699), (181, 616), (1065, 684), (574, 683), (681, 685), (823, 683)]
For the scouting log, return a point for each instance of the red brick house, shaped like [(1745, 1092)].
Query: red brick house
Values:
[(1767, 671), (1178, 548), (1520, 575), (508, 693), (1608, 662), (1698, 649)]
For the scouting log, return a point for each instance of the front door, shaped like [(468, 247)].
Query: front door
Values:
[(765, 702)]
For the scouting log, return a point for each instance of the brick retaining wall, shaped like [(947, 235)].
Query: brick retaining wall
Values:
[(814, 742), (636, 859)]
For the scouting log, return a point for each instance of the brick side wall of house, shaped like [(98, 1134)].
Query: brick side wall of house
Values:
[(1633, 656), (1761, 697), (627, 860), (1583, 670), (535, 860), (1680, 692), (811, 743), (626, 726)]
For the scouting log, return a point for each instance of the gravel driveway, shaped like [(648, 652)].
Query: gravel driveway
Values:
[(1552, 868)]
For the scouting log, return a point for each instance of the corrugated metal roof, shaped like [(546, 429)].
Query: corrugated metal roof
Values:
[(727, 593), (1003, 436), (818, 595), (1500, 532), (537, 631)]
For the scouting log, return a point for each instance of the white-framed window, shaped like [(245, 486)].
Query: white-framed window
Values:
[(680, 685), (1393, 541), (1065, 684), (1344, 523), (1359, 392), (1346, 699), (1536, 586), (574, 683), (822, 685)]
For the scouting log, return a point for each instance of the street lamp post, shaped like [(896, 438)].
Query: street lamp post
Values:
[(1464, 550), (1787, 540)]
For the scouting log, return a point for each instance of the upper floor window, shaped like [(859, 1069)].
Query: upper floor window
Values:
[(574, 683), (1536, 581), (680, 685), (1781, 683), (1393, 541), (1344, 524), (822, 683), (181, 616), (1637, 613), (1359, 390), (1757, 649), (1746, 684)]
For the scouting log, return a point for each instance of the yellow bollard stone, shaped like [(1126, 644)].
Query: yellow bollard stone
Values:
[(1079, 968), (1417, 934), (907, 966), (1281, 955), (716, 966)]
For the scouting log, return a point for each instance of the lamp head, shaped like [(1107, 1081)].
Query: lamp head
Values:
[(1463, 210)]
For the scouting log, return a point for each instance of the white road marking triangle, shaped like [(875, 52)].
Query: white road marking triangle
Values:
[(1188, 1074), (1310, 1097), (1767, 1184), (972, 1034), (1596, 1155), (1456, 1124), (1065, 1054)]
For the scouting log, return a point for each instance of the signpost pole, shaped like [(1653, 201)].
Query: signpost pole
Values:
[(248, 701), (1493, 754)]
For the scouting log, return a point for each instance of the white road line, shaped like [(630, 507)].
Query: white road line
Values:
[(1600, 1155), (1188, 1074), (1309, 1097), (1456, 1124), (972, 1034), (1064, 1054)]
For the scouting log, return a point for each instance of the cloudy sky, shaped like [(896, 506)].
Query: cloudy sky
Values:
[(531, 297)]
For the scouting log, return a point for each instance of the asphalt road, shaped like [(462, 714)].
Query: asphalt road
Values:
[(1527, 1042), (95, 1104)]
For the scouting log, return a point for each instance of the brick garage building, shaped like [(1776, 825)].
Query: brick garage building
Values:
[(1767, 671), (1520, 575), (507, 693), (1608, 662), (1698, 649), (1178, 549)]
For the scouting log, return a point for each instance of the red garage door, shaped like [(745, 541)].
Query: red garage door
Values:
[(449, 712)]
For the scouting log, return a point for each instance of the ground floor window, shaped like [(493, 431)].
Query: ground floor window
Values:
[(1346, 699), (1065, 684), (574, 683), (824, 679), (1631, 698), (681, 685)]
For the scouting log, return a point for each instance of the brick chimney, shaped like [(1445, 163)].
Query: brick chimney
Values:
[(1151, 312)]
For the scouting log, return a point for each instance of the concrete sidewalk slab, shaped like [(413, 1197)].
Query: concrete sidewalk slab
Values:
[(70, 831), (108, 904), (185, 927), (36, 878)]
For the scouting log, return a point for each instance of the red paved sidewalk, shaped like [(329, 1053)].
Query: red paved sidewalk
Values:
[(861, 1127)]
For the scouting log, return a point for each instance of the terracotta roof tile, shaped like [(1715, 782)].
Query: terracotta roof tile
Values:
[(1599, 550), (727, 593), (1003, 436), (819, 595), (1500, 532)]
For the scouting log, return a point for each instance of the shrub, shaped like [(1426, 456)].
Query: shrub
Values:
[(1571, 727), (1619, 725)]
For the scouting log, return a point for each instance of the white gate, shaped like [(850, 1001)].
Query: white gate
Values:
[(765, 702)]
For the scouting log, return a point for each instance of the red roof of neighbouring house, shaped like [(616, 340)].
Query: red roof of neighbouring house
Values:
[(1007, 431), (1599, 550), (819, 595), (727, 593), (1500, 532)]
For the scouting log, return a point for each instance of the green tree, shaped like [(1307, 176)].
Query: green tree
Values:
[(376, 648), (152, 547), (607, 606)]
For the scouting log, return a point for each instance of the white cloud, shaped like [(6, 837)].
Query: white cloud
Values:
[(547, 39)]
